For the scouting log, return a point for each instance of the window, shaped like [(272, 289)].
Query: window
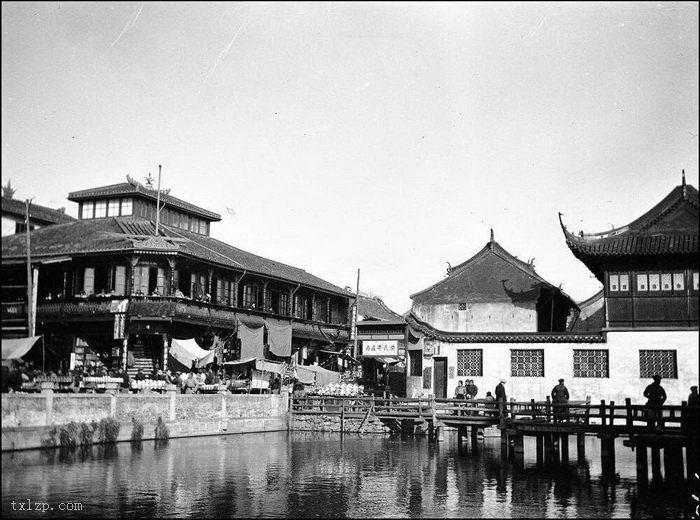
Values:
[(100, 209), (624, 282), (642, 282), (470, 362), (88, 209), (462, 306), (119, 285), (113, 208), (662, 362), (127, 207), (250, 295), (654, 284), (89, 281), (141, 279), (678, 282), (284, 303), (299, 306), (202, 227), (526, 363), (696, 281), (666, 282), (591, 363), (614, 282), (416, 362)]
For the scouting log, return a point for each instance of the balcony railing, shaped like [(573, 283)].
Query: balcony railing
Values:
[(171, 307)]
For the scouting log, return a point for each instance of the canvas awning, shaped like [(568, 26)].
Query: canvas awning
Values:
[(308, 377), (240, 361), (186, 350), (269, 366), (323, 376), (17, 347)]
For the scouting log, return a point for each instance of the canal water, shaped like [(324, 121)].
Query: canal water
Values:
[(324, 475)]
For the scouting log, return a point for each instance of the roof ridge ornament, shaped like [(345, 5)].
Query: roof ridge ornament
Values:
[(683, 182), (491, 240)]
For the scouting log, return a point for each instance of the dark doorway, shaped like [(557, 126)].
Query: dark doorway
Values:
[(440, 373)]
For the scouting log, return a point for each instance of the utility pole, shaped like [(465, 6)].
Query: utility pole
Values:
[(27, 204), (354, 324)]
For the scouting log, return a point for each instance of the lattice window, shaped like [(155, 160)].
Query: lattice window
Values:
[(526, 363), (591, 363), (661, 362), (462, 306), (470, 362)]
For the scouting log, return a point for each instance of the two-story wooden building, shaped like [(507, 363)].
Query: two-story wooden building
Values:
[(122, 278)]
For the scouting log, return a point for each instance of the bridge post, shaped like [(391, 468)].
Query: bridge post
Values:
[(691, 457), (602, 412), (539, 441), (548, 448), (342, 415), (519, 448), (642, 464), (580, 445), (548, 409), (461, 433), (564, 448), (474, 438), (431, 429), (673, 463), (504, 443), (607, 452), (655, 463)]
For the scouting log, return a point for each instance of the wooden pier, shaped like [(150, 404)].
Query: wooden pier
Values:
[(675, 430)]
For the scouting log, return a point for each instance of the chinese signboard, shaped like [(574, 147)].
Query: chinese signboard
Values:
[(380, 348)]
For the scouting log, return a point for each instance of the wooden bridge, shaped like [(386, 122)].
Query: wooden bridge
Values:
[(549, 423)]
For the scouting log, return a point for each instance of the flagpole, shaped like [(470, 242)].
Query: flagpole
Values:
[(158, 201), (27, 204)]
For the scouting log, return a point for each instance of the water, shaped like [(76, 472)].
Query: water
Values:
[(323, 475)]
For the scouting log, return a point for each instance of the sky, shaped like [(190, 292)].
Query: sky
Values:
[(385, 137)]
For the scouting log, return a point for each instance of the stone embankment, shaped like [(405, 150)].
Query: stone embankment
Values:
[(31, 421)]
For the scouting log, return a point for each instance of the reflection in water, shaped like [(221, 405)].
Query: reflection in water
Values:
[(322, 475)]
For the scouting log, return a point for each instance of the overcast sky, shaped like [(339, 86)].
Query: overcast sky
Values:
[(389, 137)]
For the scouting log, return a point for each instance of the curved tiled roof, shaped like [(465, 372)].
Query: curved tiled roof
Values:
[(491, 275), (119, 235), (500, 337), (372, 307), (137, 189), (670, 227)]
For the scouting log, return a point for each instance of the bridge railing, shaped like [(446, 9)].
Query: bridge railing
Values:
[(470, 410)]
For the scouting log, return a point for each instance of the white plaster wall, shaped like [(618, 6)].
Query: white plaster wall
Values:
[(478, 317), (624, 380)]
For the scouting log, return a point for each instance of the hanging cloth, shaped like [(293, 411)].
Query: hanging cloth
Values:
[(279, 337), (251, 341)]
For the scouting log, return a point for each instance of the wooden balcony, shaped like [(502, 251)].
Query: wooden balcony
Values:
[(175, 309)]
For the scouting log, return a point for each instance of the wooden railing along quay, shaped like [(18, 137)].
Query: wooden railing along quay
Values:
[(549, 423)]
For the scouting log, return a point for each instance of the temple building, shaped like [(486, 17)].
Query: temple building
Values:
[(127, 278)]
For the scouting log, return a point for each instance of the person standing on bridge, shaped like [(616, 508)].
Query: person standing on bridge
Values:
[(560, 396), (472, 389), (501, 394), (691, 424), (656, 397)]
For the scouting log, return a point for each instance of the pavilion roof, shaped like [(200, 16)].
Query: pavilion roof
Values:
[(670, 227), (133, 188)]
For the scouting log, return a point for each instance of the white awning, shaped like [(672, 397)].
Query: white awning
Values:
[(187, 350), (240, 361), (18, 347)]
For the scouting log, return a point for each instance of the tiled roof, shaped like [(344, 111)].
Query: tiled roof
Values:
[(500, 337), (110, 235), (369, 307), (492, 275), (670, 227), (136, 189), (37, 213)]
